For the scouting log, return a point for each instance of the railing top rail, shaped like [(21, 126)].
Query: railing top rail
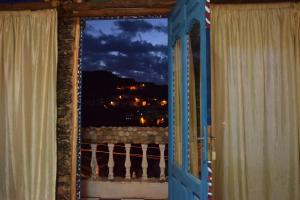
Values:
[(132, 135)]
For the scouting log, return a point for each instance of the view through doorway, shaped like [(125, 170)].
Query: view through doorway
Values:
[(124, 108)]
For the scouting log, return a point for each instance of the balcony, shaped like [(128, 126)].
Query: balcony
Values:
[(124, 163)]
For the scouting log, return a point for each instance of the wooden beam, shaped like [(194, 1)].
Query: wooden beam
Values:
[(114, 12), (123, 4), (28, 6), (99, 9), (119, 8), (126, 5), (91, 7), (249, 1)]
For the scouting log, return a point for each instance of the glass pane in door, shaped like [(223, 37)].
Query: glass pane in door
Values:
[(177, 100), (194, 101)]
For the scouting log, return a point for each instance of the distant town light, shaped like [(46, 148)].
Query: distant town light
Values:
[(163, 103), (144, 103), (142, 120), (137, 100), (132, 88), (160, 121)]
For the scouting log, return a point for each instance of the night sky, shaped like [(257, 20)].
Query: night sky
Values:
[(131, 48)]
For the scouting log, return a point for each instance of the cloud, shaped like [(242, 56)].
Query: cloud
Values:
[(141, 60), (131, 28), (91, 30), (113, 44)]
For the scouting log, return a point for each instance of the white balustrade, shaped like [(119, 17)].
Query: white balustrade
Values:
[(162, 162), (94, 163), (127, 161), (144, 162), (95, 169), (111, 163)]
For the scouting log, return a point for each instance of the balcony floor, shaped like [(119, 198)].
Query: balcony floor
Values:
[(119, 199), (123, 190)]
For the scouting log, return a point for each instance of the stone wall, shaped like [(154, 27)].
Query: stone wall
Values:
[(65, 107)]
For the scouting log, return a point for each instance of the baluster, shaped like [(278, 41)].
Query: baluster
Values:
[(162, 162), (94, 164), (111, 163), (144, 162), (127, 161)]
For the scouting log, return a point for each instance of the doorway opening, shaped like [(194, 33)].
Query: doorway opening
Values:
[(124, 108)]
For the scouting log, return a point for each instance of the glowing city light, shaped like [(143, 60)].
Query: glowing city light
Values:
[(163, 103), (132, 88), (144, 103), (160, 121), (137, 100), (142, 120)]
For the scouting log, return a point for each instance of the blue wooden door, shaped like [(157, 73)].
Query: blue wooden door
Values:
[(189, 101)]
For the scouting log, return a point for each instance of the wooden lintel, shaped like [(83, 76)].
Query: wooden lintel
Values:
[(99, 9), (249, 1), (94, 7), (121, 4), (114, 12), (28, 6)]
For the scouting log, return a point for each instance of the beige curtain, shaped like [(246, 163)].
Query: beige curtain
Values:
[(177, 102), (28, 60), (297, 32), (255, 69)]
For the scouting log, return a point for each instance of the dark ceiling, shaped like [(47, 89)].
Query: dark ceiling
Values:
[(213, 1)]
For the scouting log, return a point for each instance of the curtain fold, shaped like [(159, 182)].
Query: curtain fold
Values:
[(297, 36), (28, 62), (255, 69)]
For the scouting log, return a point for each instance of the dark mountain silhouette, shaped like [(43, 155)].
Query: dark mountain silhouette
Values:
[(98, 84), (102, 89)]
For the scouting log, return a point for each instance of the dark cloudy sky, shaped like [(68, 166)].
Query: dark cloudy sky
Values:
[(133, 48)]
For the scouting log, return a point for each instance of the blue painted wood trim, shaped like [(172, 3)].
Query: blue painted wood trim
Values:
[(204, 99), (183, 185), (187, 179), (185, 95), (177, 18), (170, 112)]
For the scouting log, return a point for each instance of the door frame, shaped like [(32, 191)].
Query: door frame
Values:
[(183, 16)]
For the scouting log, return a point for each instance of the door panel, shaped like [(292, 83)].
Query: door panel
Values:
[(189, 101)]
